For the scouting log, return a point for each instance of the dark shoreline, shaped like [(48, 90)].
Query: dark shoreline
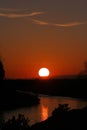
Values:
[(62, 118), (59, 87), (74, 88)]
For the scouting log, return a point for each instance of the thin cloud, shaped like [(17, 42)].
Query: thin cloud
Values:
[(36, 13), (66, 25), (16, 15), (69, 24), (9, 13), (40, 22)]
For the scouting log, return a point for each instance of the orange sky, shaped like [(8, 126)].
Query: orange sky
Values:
[(50, 34)]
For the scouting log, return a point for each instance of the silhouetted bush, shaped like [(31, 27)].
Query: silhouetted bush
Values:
[(2, 71), (63, 118), (21, 123)]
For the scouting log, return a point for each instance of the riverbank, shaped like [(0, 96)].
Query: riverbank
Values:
[(62, 118), (56, 87), (75, 88), (11, 99)]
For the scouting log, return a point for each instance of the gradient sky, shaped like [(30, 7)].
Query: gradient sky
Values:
[(43, 33)]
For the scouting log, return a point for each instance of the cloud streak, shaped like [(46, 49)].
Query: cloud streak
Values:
[(69, 24), (16, 15), (40, 22), (65, 25), (9, 13)]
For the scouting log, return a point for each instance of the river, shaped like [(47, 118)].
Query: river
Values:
[(42, 111)]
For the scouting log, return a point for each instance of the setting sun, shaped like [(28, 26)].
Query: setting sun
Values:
[(43, 72)]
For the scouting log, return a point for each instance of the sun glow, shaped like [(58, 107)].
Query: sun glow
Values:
[(43, 72)]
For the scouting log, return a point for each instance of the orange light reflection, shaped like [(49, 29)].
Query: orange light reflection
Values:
[(44, 112)]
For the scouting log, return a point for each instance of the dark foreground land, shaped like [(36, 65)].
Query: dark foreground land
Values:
[(63, 118), (10, 98)]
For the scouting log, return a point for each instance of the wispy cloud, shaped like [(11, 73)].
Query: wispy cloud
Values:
[(65, 25), (16, 15), (40, 22), (36, 13), (68, 24)]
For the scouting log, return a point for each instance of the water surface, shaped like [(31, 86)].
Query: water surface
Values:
[(42, 111)]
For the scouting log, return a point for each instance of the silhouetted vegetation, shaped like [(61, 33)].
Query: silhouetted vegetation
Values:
[(59, 87), (9, 96), (12, 99), (63, 118), (13, 94), (21, 123), (2, 71), (83, 73)]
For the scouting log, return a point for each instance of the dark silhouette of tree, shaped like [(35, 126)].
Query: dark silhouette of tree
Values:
[(83, 73), (85, 64), (19, 123), (2, 71)]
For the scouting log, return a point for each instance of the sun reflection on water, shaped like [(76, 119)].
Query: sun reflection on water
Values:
[(44, 112)]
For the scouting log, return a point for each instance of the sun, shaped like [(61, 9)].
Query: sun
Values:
[(43, 72)]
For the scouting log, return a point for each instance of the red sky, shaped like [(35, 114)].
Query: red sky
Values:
[(35, 34)]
